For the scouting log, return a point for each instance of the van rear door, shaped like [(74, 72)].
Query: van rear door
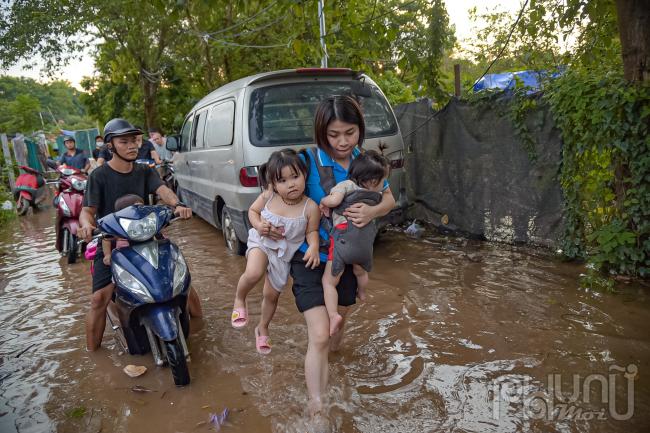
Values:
[(281, 114)]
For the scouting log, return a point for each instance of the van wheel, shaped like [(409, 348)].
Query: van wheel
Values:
[(229, 235)]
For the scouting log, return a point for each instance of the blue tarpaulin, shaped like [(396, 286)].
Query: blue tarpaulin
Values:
[(508, 80)]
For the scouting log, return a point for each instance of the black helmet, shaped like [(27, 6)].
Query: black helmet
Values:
[(68, 138), (118, 127)]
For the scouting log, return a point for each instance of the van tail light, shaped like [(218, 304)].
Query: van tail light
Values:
[(248, 176), (396, 163)]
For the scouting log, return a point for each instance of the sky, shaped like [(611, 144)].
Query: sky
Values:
[(457, 10)]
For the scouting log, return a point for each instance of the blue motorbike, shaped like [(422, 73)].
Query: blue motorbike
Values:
[(152, 283)]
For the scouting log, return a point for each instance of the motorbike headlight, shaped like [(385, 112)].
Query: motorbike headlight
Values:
[(67, 171), (79, 184), (126, 280), (142, 229), (64, 207), (180, 273)]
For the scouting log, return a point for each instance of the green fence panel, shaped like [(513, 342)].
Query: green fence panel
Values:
[(84, 138), (32, 155)]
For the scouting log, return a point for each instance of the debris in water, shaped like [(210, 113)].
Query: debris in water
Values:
[(77, 412), (414, 230), (473, 257), (219, 419), (135, 370), (25, 350), (138, 388)]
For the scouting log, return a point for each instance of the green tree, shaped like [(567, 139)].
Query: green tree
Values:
[(22, 114), (59, 105), (160, 56)]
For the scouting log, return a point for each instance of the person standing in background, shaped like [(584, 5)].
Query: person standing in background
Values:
[(99, 145), (146, 149), (159, 141)]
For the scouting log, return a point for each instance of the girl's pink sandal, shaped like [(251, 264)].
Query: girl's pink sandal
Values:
[(262, 343), (239, 318)]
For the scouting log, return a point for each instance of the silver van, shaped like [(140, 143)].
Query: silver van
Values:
[(234, 129)]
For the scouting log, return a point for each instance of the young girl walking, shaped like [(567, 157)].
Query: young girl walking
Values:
[(349, 244), (282, 217)]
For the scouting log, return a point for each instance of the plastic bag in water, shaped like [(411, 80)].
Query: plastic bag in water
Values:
[(414, 230)]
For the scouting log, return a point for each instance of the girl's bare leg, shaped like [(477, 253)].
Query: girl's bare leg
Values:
[(269, 305), (256, 264), (316, 369), (332, 298), (362, 281)]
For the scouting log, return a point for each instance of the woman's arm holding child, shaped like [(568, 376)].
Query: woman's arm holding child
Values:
[(361, 214), (312, 256)]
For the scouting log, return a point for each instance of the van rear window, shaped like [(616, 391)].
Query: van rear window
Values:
[(284, 114)]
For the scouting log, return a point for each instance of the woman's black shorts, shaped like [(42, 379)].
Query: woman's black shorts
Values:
[(308, 285)]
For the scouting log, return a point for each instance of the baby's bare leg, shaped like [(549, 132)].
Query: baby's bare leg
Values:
[(362, 281), (332, 298)]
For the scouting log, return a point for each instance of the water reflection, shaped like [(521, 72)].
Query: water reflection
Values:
[(449, 326)]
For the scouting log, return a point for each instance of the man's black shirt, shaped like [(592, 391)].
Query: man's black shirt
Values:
[(144, 152), (106, 185)]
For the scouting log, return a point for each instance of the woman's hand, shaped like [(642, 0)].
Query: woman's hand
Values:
[(312, 257), (360, 214)]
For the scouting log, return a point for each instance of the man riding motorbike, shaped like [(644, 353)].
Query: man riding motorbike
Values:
[(116, 178), (73, 157)]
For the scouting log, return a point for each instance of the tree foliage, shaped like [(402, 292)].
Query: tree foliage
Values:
[(156, 58), (604, 120), (24, 102)]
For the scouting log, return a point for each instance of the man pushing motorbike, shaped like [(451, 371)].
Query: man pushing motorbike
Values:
[(116, 178)]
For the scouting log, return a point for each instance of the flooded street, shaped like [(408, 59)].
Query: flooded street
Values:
[(456, 336)]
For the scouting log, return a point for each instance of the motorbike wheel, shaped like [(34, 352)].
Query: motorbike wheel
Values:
[(72, 249), (22, 206), (177, 362), (229, 235)]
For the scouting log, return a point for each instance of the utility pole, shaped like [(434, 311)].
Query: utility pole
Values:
[(321, 19)]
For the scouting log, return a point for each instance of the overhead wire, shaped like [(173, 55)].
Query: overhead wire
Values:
[(244, 21), (505, 44)]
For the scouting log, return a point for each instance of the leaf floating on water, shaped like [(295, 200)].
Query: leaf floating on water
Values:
[(138, 388), (207, 406), (135, 370), (77, 412)]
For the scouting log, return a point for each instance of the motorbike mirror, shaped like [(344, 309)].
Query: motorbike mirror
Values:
[(172, 142)]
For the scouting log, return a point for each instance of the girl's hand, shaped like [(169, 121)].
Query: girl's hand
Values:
[(312, 257), (360, 214), (107, 259), (264, 228), (324, 210), (269, 230)]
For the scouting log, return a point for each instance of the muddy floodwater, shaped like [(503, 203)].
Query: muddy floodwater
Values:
[(456, 336)]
